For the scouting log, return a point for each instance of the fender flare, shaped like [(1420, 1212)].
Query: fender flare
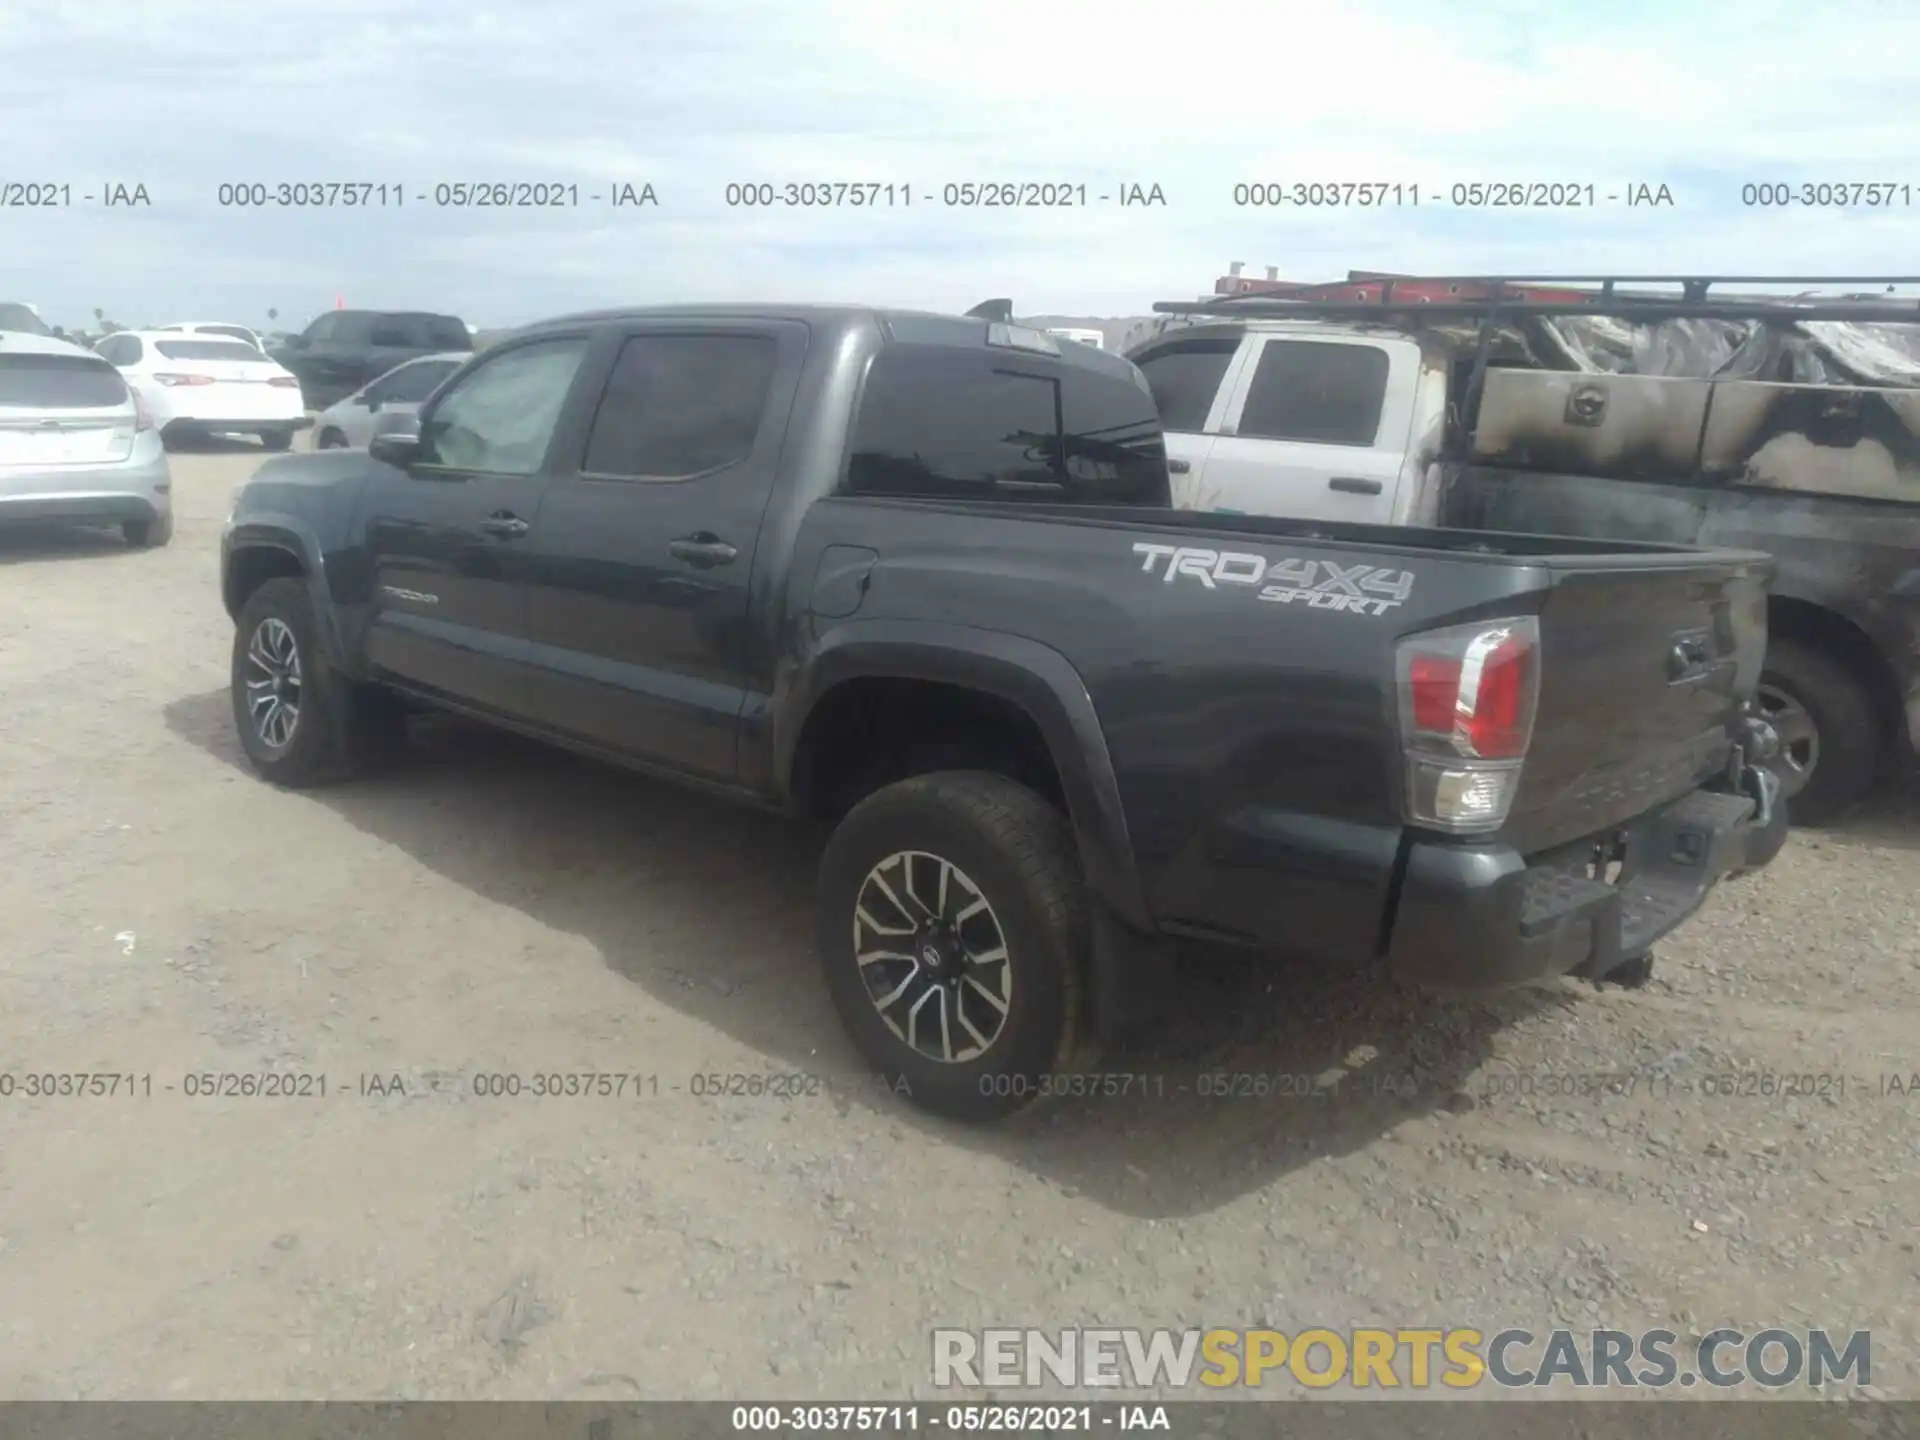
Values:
[(1037, 679), (291, 535)]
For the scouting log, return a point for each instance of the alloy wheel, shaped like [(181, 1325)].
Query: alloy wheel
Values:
[(933, 956), (273, 682)]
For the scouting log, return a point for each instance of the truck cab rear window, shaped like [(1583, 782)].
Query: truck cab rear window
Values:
[(59, 382), (956, 424), (1316, 392)]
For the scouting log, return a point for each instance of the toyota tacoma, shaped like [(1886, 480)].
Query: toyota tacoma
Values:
[(919, 577)]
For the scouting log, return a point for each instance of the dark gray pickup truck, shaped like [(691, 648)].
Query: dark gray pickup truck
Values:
[(917, 576)]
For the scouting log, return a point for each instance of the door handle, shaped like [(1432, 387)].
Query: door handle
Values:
[(505, 524), (1179, 467), (703, 549), (1353, 485)]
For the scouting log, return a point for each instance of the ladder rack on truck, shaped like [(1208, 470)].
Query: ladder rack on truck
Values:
[(1376, 294), (1504, 299)]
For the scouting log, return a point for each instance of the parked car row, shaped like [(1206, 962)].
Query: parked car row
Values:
[(920, 577)]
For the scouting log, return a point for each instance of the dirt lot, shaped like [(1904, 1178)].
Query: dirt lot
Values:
[(493, 908)]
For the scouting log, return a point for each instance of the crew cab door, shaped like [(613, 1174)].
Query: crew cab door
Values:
[(1192, 379), (447, 538), (1316, 427), (644, 551)]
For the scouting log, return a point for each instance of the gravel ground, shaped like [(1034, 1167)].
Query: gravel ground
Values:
[(493, 907)]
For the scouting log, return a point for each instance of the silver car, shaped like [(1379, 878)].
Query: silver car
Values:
[(76, 444), (390, 403)]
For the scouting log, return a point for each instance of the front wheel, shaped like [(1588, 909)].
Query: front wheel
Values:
[(953, 930), (301, 722), (330, 440), (277, 439)]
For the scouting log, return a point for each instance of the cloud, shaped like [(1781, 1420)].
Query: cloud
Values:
[(690, 95)]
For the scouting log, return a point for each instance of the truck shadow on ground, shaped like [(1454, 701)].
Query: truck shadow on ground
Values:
[(1888, 819), (709, 910)]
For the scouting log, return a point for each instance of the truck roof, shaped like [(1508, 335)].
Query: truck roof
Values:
[(905, 326)]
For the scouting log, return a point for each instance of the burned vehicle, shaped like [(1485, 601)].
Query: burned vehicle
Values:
[(1602, 408)]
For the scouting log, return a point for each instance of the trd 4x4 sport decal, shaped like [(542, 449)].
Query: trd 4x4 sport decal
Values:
[(1319, 584)]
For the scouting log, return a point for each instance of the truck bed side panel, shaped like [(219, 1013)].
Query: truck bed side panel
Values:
[(1253, 741)]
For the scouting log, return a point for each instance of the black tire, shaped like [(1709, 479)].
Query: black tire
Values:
[(329, 439), (149, 534), (1018, 852), (1634, 974), (341, 729), (1834, 766), (277, 439)]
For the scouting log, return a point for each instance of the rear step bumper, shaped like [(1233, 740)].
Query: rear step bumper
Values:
[(1475, 919)]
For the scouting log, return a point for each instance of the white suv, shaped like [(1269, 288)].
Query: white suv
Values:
[(76, 444)]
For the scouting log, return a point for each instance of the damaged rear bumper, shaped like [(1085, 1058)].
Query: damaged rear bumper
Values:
[(1472, 918)]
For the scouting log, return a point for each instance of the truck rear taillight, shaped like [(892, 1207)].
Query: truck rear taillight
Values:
[(142, 416), (1467, 699)]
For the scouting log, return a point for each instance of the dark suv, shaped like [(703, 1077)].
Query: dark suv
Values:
[(344, 349)]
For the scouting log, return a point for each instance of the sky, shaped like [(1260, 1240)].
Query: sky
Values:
[(691, 96)]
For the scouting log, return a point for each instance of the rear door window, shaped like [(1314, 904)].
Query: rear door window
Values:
[(442, 332), (59, 382), (393, 333), (677, 406), (1317, 393)]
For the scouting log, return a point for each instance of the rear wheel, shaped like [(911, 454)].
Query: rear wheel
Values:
[(329, 440), (149, 534), (301, 722), (277, 439), (953, 931), (1829, 735)]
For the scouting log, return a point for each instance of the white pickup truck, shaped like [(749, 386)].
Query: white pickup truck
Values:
[(1791, 427)]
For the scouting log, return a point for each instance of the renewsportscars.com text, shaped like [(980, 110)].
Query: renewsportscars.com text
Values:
[(1414, 1358)]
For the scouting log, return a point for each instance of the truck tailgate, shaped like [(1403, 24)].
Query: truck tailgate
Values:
[(1644, 665)]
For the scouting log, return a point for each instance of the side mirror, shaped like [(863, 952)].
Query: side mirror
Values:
[(397, 448), (372, 402)]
